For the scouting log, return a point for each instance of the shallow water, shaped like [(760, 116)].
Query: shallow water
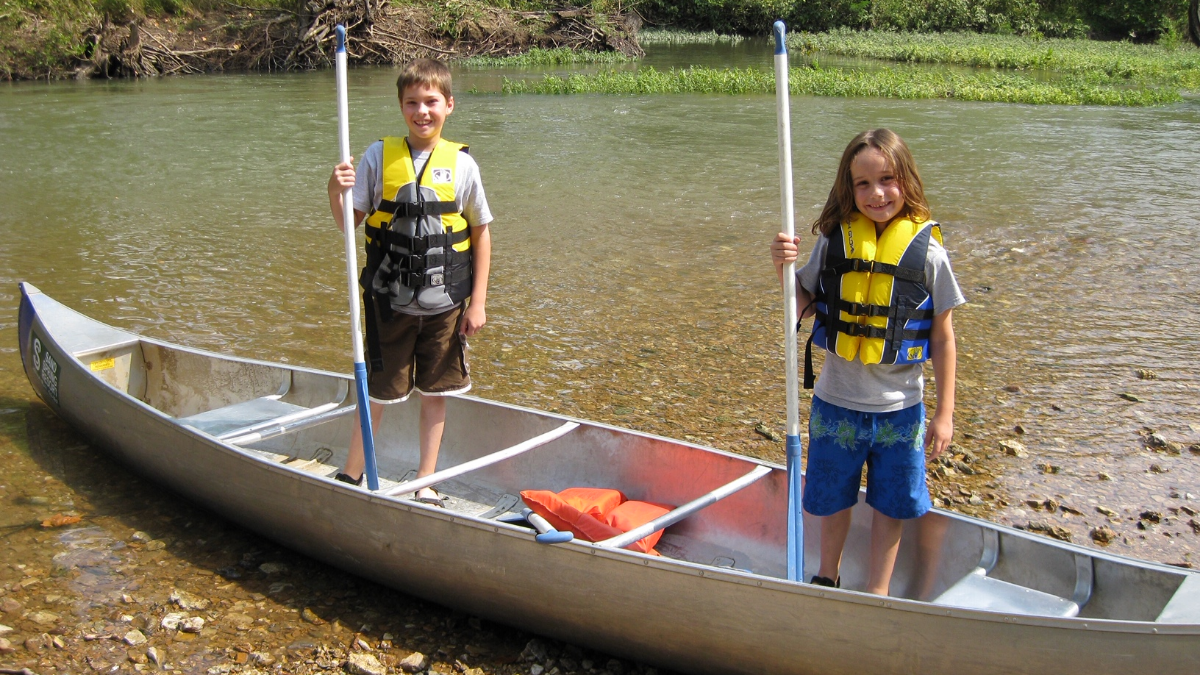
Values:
[(631, 284)]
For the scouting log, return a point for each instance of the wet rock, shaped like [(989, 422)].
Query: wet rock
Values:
[(1060, 533), (189, 602), (1194, 448), (1106, 511), (1188, 510), (1012, 388), (1103, 535), (1035, 504), (44, 619), (768, 433), (535, 650), (1129, 397), (413, 663), (241, 622), (1019, 430), (192, 624), (134, 638), (171, 621), (154, 656), (1070, 510), (156, 545), (273, 568), (1194, 525), (1013, 448), (1150, 516), (365, 664), (1047, 467), (5, 630), (1051, 505), (10, 606), (140, 537), (310, 616), (1157, 468), (536, 669), (975, 500), (1104, 476), (6, 647), (1146, 374)]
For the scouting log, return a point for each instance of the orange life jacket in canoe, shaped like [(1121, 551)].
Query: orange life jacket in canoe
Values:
[(596, 514)]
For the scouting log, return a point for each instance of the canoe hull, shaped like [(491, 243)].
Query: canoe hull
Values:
[(612, 600)]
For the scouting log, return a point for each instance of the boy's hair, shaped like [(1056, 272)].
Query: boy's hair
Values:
[(840, 205), (427, 73)]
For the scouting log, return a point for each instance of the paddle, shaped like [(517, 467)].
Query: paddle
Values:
[(795, 543), (360, 364)]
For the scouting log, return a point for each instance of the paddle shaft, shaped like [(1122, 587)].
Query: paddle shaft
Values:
[(348, 225), (795, 547)]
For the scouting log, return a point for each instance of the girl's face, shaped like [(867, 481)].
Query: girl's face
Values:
[(877, 193)]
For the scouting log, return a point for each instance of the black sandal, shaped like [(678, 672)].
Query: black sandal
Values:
[(824, 581), (345, 478)]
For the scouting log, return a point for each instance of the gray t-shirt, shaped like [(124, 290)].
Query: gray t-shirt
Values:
[(468, 192), (878, 387)]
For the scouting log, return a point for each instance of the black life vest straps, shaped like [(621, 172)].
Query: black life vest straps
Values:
[(416, 209), (871, 266)]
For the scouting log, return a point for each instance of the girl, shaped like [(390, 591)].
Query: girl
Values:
[(880, 286)]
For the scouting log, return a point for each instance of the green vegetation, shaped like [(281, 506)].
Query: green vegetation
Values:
[(660, 36), (894, 82), (541, 58), (1115, 61), (1142, 20)]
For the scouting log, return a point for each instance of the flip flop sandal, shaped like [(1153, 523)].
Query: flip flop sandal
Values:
[(439, 500)]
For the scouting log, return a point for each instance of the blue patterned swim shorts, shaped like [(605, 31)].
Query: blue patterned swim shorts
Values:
[(890, 444)]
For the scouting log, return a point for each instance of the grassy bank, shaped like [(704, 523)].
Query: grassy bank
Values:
[(542, 58), (892, 82), (1156, 65)]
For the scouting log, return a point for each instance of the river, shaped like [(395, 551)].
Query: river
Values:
[(631, 284)]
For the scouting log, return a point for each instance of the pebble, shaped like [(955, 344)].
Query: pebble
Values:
[(189, 602), (1157, 468), (1103, 535), (44, 618), (134, 638), (171, 621), (154, 657), (10, 606), (5, 630), (1129, 397), (1104, 476), (192, 624), (1047, 467), (365, 664), (6, 647), (768, 433), (1106, 511), (1151, 516), (413, 663), (1060, 533), (1013, 448), (272, 568), (1146, 374), (536, 669), (310, 616)]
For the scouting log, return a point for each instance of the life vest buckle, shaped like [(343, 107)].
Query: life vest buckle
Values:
[(438, 279)]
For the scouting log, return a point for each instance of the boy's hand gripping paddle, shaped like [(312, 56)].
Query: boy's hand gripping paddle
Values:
[(795, 543), (360, 364)]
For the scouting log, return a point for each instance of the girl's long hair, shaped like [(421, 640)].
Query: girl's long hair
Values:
[(840, 206)]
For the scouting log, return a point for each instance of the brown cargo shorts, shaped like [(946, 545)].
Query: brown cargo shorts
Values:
[(422, 352)]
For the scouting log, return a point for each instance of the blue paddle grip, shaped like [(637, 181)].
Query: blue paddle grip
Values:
[(364, 419), (795, 516), (341, 37), (780, 44)]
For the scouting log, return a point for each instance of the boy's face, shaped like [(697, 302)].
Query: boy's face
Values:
[(425, 110)]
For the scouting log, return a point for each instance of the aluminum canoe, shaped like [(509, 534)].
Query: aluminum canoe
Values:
[(259, 442)]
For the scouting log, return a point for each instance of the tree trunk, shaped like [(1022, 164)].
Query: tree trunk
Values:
[(1194, 21)]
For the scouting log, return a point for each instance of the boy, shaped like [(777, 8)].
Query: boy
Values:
[(429, 248)]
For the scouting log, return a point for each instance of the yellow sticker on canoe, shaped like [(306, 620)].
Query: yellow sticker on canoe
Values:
[(103, 364)]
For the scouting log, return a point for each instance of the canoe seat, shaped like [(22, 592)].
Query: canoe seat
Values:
[(979, 591), (239, 419)]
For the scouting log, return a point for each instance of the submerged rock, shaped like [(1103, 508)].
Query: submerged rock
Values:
[(1103, 535), (365, 664)]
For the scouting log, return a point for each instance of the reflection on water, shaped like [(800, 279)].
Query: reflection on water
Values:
[(631, 277)]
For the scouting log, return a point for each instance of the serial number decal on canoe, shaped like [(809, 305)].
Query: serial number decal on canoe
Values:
[(45, 366), (103, 364)]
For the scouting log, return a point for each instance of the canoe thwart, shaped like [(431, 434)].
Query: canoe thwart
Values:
[(977, 590), (247, 417), (671, 517), (486, 460)]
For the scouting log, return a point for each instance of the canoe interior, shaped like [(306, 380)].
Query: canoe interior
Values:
[(212, 394)]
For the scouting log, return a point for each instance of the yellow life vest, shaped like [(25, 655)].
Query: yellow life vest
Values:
[(418, 243), (872, 302)]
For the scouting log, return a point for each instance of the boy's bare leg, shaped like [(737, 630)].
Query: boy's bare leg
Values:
[(433, 423), (885, 543), (834, 530), (355, 462)]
